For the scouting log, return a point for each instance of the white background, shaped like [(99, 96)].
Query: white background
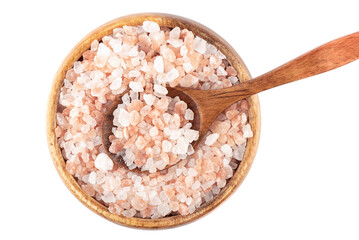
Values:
[(304, 183)]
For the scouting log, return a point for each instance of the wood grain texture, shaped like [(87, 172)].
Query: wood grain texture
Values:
[(168, 21), (209, 104)]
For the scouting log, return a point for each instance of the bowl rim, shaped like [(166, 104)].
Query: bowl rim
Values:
[(171, 21)]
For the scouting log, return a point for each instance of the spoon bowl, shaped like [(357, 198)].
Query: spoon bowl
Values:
[(107, 123)]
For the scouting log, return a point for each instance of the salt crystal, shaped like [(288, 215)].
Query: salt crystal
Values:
[(160, 165), (175, 33), (140, 143), (145, 110), (183, 51), (213, 78), (192, 172), (166, 117), (116, 84), (166, 146), (78, 67), (164, 209), (133, 51), (109, 198), (158, 64), (160, 89), (172, 75), (176, 43), (94, 45), (161, 78), (92, 178), (233, 79), (229, 171), (187, 67), (126, 99), (89, 120), (103, 162), (150, 26), (133, 95), (136, 86), (153, 131), (116, 45), (182, 146), (103, 51), (191, 135), (212, 138), (114, 61), (220, 55), (60, 119), (206, 86), (189, 115), (199, 45), (243, 118), (74, 112), (135, 61), (208, 197), (124, 118), (149, 99), (122, 194), (188, 80), (164, 197), (247, 131), (190, 150), (211, 49), (189, 181), (97, 75), (181, 197), (227, 150), (175, 134), (191, 209), (155, 201), (196, 185), (134, 74), (189, 201), (129, 213), (221, 71), (187, 126), (221, 183)]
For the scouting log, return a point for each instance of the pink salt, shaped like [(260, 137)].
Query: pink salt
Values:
[(143, 136)]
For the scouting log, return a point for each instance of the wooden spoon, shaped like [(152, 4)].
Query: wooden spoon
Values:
[(207, 105)]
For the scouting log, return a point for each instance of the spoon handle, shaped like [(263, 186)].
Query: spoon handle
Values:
[(329, 56)]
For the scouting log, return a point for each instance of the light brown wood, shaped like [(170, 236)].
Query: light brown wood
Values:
[(209, 104), (168, 21)]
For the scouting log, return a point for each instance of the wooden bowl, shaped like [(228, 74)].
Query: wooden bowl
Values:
[(168, 21)]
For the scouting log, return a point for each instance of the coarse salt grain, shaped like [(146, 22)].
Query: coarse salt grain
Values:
[(166, 146), (160, 89), (149, 99), (158, 64), (227, 150), (172, 75), (103, 162), (123, 118), (199, 45), (136, 86), (150, 26), (212, 138), (116, 84), (189, 115)]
